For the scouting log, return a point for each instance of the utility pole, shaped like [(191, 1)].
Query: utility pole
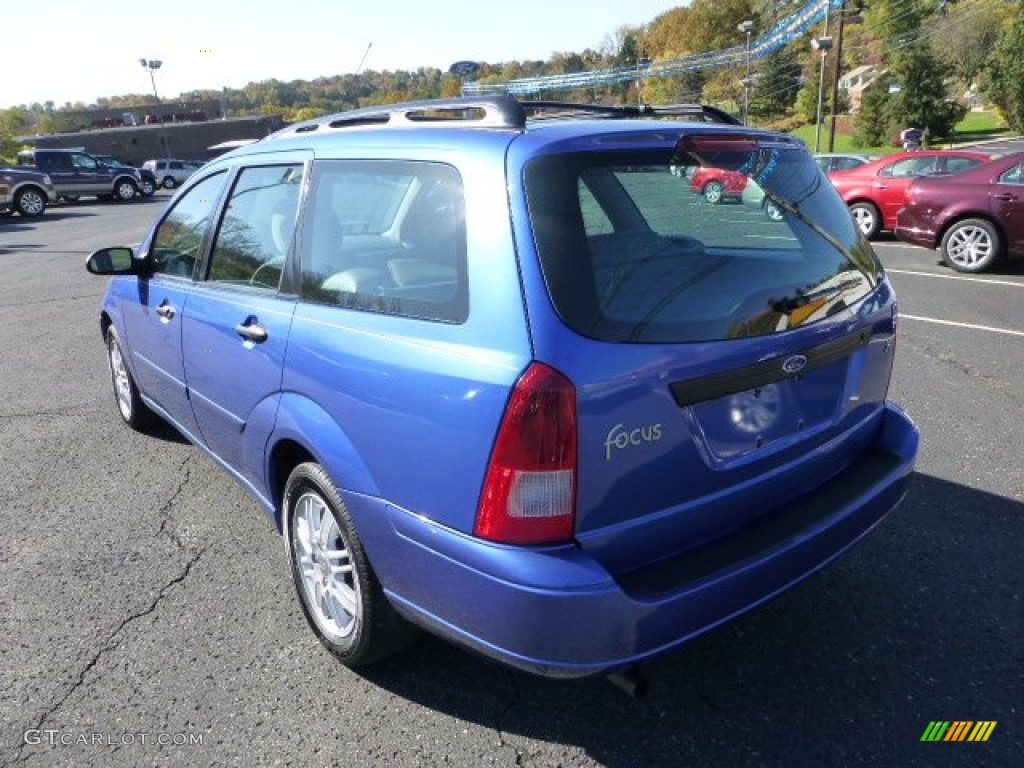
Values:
[(822, 44), (835, 84)]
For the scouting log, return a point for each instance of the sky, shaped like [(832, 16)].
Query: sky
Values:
[(73, 51)]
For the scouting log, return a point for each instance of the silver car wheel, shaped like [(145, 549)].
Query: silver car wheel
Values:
[(325, 568), (865, 219), (970, 247), (714, 192), (30, 203), (125, 191), (122, 380)]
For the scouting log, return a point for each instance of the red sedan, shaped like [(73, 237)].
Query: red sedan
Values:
[(874, 191), (973, 218), (717, 184)]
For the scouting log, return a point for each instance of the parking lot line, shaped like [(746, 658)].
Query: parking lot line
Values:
[(971, 326), (960, 278)]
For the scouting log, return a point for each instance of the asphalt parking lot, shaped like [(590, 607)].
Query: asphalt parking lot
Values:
[(148, 616)]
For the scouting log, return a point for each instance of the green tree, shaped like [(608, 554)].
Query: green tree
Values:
[(923, 98), (777, 88), (1002, 80), (872, 123)]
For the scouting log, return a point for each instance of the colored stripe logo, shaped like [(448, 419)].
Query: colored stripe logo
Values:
[(958, 730)]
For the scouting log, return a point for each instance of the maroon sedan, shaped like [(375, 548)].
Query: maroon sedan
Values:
[(874, 191), (972, 218)]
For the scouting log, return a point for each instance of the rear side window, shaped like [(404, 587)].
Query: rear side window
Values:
[(256, 232), (388, 237), (957, 164), (630, 253)]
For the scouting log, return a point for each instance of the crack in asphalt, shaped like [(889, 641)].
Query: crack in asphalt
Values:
[(66, 410), (111, 643), (165, 511), (997, 384), (499, 718), (55, 300)]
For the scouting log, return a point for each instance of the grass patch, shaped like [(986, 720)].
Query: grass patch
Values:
[(975, 127)]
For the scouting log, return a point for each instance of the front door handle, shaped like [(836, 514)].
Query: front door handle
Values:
[(166, 311), (251, 331)]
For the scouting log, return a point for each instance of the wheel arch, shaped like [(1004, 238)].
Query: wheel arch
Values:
[(298, 420)]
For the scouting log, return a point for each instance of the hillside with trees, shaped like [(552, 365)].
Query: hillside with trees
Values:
[(933, 56)]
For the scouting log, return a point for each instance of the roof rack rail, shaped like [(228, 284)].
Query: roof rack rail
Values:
[(476, 112), (496, 111), (704, 112)]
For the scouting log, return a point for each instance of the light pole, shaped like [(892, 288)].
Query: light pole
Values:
[(152, 64), (746, 27), (822, 44)]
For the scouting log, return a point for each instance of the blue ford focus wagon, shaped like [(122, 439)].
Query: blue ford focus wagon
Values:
[(496, 373)]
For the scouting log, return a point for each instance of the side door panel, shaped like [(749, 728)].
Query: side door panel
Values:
[(236, 326), (153, 323), (1006, 200)]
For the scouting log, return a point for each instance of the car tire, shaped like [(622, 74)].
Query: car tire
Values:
[(971, 245), (772, 211), (30, 202), (714, 192), (168, 183), (148, 188), (338, 590), (125, 191), (867, 218), (135, 413)]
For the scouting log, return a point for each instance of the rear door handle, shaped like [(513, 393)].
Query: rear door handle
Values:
[(166, 311), (1005, 197), (251, 331)]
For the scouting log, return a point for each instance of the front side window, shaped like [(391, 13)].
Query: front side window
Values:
[(630, 253), (84, 162), (179, 237), (388, 237), (256, 233)]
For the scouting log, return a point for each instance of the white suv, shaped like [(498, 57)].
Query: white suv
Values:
[(170, 173)]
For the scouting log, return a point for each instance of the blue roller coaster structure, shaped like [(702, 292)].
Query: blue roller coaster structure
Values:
[(783, 33)]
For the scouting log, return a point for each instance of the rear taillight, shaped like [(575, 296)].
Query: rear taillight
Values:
[(529, 493)]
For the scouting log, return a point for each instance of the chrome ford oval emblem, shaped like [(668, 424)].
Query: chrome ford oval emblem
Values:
[(794, 364)]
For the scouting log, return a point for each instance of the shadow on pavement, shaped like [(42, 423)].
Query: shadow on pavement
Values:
[(922, 621)]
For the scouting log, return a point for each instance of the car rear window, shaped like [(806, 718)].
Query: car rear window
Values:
[(631, 253)]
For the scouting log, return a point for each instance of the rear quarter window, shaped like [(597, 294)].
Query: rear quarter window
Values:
[(630, 253), (386, 237)]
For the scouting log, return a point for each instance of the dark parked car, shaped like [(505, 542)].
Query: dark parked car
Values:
[(508, 380), (76, 173), (148, 183), (874, 191), (973, 219), (25, 191)]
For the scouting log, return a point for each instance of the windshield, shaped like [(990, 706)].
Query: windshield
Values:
[(696, 244)]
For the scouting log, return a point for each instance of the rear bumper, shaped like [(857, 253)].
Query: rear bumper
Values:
[(558, 612)]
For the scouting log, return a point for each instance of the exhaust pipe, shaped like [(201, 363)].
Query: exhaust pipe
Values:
[(632, 681)]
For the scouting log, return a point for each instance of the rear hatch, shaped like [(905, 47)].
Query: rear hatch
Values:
[(727, 359)]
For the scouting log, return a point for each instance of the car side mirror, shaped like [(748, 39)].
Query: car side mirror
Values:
[(112, 261)]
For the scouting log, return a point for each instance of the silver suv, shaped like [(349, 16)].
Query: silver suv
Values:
[(170, 173)]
